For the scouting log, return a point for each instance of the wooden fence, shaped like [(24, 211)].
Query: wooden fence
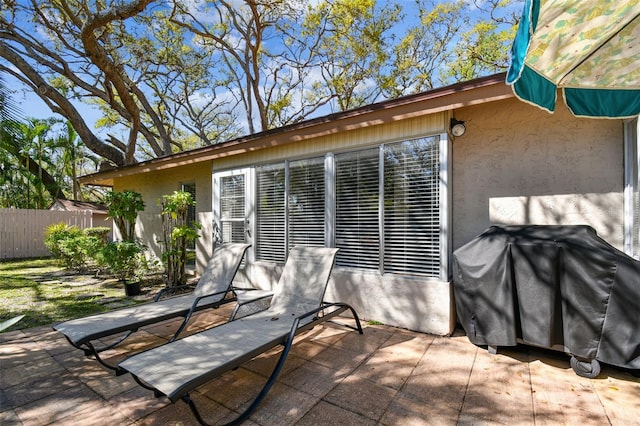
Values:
[(22, 230)]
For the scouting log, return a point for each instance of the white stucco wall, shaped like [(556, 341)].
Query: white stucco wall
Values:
[(517, 164)]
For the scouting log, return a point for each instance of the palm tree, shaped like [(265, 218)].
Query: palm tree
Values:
[(19, 142), (73, 154)]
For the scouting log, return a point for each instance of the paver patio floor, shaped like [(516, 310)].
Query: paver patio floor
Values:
[(387, 376)]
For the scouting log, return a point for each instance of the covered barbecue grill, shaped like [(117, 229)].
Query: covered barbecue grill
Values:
[(557, 287)]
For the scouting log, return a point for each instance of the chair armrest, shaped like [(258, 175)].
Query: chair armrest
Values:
[(338, 309), (170, 289), (204, 296), (248, 295), (250, 301)]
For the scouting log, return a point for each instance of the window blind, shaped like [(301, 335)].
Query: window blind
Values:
[(232, 208), (270, 206), (306, 202), (357, 209), (412, 207)]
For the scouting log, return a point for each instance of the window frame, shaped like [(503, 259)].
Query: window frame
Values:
[(247, 172)]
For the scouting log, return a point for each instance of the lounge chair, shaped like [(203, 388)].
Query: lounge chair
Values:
[(177, 368), (213, 290)]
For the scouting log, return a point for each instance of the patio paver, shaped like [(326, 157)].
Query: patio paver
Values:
[(388, 376)]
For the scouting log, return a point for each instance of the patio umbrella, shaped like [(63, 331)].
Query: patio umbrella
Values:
[(589, 50)]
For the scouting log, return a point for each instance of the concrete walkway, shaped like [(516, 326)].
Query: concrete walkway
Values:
[(387, 376)]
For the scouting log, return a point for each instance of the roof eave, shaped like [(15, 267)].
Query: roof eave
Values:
[(482, 90)]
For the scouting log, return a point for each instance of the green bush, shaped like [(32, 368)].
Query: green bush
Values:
[(75, 248), (80, 251), (56, 233), (177, 234), (101, 232), (123, 208), (125, 259)]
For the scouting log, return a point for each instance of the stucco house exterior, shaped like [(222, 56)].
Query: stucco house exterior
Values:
[(397, 192)]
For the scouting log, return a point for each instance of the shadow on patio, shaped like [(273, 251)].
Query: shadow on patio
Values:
[(387, 376)]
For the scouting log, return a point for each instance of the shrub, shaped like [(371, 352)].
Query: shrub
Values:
[(123, 208), (101, 232), (56, 233), (75, 248), (177, 233), (125, 259), (79, 251)]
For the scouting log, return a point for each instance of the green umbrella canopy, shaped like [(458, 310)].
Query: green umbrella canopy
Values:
[(589, 49)]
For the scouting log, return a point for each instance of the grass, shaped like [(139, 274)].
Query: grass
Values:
[(45, 293)]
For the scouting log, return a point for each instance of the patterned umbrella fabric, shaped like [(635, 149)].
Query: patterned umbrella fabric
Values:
[(590, 50)]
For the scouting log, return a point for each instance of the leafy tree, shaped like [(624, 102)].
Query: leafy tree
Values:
[(78, 56), (9, 121), (455, 40), (123, 207), (27, 155), (236, 35), (71, 157), (484, 48), (419, 56), (173, 76), (351, 39)]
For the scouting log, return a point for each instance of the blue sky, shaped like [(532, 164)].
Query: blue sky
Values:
[(32, 106)]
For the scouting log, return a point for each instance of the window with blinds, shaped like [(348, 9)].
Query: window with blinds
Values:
[(270, 209), (387, 207), (357, 209), (232, 209), (412, 207), (306, 202)]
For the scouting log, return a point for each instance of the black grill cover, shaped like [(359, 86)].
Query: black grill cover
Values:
[(550, 286)]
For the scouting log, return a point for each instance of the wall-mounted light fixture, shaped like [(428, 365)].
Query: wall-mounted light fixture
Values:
[(457, 127)]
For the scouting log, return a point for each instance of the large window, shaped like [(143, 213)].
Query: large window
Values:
[(290, 196), (381, 206)]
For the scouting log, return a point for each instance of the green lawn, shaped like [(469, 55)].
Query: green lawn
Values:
[(46, 293)]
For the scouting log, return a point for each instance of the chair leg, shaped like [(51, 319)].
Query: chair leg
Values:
[(96, 354), (90, 350), (113, 345), (186, 398), (272, 379), (182, 326)]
